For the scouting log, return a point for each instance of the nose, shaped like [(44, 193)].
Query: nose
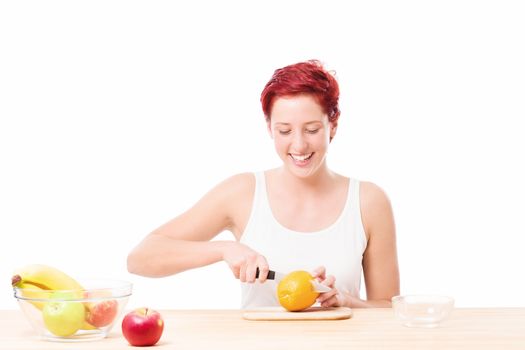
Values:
[(299, 142)]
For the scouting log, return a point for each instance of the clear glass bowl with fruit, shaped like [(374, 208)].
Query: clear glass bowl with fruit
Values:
[(87, 310)]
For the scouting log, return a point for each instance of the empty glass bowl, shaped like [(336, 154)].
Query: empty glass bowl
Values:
[(74, 315), (422, 310)]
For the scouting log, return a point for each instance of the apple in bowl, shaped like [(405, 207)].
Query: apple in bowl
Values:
[(62, 317), (101, 314)]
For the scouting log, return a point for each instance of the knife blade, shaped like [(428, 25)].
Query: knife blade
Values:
[(277, 276)]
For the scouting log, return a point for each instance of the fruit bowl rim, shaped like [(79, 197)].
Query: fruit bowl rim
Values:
[(119, 285)]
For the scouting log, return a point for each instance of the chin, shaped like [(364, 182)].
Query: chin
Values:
[(302, 173)]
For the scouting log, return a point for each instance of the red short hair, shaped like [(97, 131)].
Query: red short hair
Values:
[(308, 77)]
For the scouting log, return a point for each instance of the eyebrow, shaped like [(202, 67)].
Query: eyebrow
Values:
[(312, 122)]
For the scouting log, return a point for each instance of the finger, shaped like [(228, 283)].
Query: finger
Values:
[(325, 296), (236, 270), (263, 270), (319, 273), (235, 266), (250, 272), (332, 301), (329, 281), (242, 272)]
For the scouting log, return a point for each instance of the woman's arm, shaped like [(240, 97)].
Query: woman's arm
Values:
[(380, 266), (184, 242)]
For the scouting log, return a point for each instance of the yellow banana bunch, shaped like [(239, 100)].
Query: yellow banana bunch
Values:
[(36, 281), (43, 277), (33, 292)]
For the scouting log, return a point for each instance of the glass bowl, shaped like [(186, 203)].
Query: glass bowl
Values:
[(74, 315), (422, 310)]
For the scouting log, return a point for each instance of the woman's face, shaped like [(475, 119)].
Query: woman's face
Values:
[(301, 133)]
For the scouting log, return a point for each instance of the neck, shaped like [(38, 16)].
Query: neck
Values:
[(321, 178)]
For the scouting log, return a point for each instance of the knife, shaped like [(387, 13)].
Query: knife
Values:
[(277, 276)]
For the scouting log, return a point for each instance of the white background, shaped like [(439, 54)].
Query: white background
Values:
[(117, 116)]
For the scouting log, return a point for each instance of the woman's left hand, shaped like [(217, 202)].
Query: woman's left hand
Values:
[(333, 297)]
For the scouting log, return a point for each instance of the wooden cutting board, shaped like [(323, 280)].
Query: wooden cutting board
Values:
[(313, 313)]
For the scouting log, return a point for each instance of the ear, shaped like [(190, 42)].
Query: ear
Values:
[(333, 130), (269, 128)]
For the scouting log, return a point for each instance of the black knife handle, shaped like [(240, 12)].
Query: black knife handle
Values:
[(271, 274)]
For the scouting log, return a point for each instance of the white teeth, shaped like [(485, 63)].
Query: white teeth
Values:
[(301, 157)]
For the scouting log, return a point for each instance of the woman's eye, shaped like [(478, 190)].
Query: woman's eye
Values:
[(312, 131), (284, 132)]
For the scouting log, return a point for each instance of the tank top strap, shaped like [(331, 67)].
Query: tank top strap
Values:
[(261, 192), (353, 194), (259, 176), (260, 189), (261, 211)]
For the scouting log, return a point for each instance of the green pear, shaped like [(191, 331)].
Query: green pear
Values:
[(63, 317)]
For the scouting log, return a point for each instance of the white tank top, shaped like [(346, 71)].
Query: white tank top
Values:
[(339, 247)]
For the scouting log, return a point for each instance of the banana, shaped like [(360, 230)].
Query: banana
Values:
[(45, 277), (36, 281), (28, 290), (87, 326)]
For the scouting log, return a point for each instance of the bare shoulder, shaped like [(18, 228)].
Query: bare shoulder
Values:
[(376, 209), (225, 207), (237, 185), (232, 192), (372, 195)]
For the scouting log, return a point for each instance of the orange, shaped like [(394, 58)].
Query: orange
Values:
[(295, 291)]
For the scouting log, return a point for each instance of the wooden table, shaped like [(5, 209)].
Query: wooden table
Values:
[(483, 328)]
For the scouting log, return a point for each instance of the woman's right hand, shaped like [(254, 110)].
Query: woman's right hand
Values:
[(244, 261)]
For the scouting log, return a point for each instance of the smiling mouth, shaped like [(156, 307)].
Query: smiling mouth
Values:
[(301, 157)]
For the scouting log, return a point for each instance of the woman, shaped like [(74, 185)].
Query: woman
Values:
[(301, 215)]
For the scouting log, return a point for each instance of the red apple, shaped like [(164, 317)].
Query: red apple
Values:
[(142, 327), (102, 313)]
